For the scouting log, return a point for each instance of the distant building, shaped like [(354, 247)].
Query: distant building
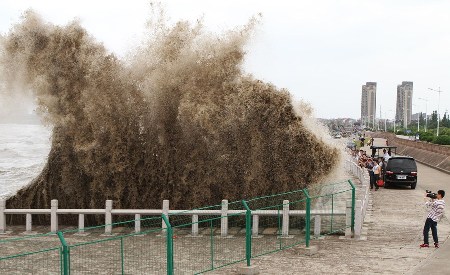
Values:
[(368, 103), (404, 103), (416, 116)]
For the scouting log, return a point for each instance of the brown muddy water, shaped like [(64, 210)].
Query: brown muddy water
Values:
[(177, 119)]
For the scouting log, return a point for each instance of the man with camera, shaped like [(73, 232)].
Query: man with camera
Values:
[(436, 204)]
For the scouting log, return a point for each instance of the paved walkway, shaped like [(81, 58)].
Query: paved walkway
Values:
[(392, 234), (437, 263)]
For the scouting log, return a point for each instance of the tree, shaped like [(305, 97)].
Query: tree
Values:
[(432, 124), (445, 121), (422, 120)]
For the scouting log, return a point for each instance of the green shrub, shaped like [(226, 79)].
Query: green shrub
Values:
[(425, 134), (426, 138), (444, 131), (442, 139), (400, 132)]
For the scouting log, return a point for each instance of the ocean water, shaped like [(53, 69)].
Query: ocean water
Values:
[(24, 150)]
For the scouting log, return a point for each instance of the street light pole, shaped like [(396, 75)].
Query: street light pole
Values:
[(426, 112), (439, 100)]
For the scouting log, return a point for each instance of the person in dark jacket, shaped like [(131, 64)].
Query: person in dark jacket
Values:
[(369, 167)]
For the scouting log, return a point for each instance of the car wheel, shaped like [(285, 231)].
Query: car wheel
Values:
[(413, 185)]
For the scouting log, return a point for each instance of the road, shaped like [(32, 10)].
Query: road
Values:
[(429, 179)]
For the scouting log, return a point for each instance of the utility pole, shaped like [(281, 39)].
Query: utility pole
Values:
[(418, 119)]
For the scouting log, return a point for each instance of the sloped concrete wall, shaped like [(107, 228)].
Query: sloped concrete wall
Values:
[(434, 155)]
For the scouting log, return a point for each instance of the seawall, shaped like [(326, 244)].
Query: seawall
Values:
[(433, 155)]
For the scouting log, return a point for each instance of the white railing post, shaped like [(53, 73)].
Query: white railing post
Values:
[(194, 225), (28, 223), (165, 211), (364, 182), (348, 219), (137, 223), (255, 228), (108, 217), (365, 201), (54, 216), (285, 225), (317, 225), (358, 218), (80, 223), (224, 219), (2, 216)]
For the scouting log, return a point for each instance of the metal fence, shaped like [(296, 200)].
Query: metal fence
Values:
[(34, 254), (191, 241)]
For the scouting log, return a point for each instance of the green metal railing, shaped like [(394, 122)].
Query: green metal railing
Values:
[(248, 233), (212, 246), (187, 242), (123, 251), (31, 254)]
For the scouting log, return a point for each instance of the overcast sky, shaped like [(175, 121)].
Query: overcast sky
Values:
[(321, 51)]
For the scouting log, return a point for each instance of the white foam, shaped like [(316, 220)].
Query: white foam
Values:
[(23, 153)]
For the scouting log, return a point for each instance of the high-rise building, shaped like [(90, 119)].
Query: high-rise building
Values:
[(404, 103), (368, 103)]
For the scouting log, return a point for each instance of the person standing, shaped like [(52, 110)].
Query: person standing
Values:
[(376, 174), (434, 216), (382, 164), (369, 167), (386, 156)]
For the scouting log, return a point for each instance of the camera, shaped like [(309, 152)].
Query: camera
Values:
[(431, 195)]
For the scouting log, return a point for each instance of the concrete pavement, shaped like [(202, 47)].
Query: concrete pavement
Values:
[(392, 234), (437, 263)]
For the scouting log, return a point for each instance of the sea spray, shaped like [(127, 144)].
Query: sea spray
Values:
[(177, 120)]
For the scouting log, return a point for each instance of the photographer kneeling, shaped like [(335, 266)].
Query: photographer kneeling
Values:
[(437, 205)]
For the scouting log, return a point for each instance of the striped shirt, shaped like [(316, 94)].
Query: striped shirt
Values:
[(437, 209)]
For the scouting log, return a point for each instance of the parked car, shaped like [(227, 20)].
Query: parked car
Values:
[(401, 170)]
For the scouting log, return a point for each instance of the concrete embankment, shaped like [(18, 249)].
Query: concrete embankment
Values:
[(433, 155)]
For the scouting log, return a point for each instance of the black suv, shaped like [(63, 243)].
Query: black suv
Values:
[(402, 171)]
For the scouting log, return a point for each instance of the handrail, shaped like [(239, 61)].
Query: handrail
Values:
[(157, 212)]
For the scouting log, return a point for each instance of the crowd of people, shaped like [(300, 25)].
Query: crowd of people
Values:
[(375, 165)]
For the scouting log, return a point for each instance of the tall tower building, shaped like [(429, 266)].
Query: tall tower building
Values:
[(368, 103), (404, 103)]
